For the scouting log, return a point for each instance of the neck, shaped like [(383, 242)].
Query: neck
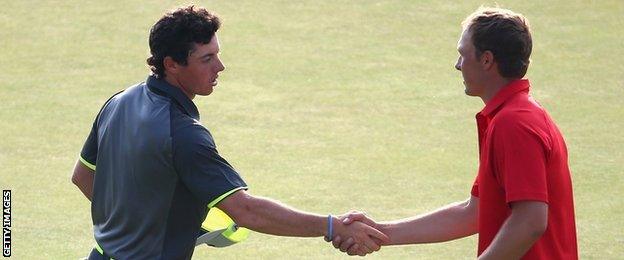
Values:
[(492, 87), (174, 82)]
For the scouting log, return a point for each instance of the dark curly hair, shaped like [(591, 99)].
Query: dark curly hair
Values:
[(506, 34), (176, 32)]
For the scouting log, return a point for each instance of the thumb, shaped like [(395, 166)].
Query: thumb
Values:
[(353, 216), (361, 217)]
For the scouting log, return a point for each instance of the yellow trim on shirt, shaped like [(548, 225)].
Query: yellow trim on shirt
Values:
[(220, 198), (89, 165)]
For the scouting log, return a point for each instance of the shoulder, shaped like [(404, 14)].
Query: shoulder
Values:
[(522, 122), (112, 102), (522, 112), (137, 99), (123, 95), (188, 132)]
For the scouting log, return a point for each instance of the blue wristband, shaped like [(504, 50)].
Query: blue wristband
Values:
[(330, 228)]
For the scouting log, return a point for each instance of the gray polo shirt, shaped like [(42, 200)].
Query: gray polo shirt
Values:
[(158, 171)]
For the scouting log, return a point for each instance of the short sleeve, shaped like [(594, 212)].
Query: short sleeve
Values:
[(520, 161), (88, 155), (475, 187), (200, 167)]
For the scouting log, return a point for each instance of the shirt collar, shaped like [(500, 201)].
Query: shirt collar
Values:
[(505, 93), (163, 87)]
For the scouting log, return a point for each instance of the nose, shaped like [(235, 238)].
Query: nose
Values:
[(458, 64), (220, 66)]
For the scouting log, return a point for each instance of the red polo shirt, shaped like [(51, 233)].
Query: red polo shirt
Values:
[(522, 156)]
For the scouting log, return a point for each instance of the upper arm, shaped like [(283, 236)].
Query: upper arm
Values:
[(85, 165), (520, 159), (82, 173), (237, 205), (83, 177), (471, 209), (533, 213), (472, 204), (88, 154)]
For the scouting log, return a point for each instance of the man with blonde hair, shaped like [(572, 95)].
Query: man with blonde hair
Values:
[(521, 201)]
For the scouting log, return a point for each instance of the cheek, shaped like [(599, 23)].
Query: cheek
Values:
[(206, 71), (466, 68), (201, 73)]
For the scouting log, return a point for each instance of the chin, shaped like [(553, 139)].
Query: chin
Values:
[(468, 93), (206, 92)]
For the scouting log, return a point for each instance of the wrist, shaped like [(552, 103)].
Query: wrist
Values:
[(383, 226), (386, 228), (330, 225)]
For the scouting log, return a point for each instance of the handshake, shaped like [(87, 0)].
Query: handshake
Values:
[(356, 234)]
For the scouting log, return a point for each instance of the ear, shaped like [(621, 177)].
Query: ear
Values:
[(170, 65), (487, 60)]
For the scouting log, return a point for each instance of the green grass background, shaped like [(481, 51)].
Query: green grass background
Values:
[(325, 105)]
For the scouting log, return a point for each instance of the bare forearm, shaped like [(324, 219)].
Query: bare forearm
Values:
[(451, 222), (272, 217)]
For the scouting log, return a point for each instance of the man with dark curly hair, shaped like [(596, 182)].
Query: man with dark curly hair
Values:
[(158, 170)]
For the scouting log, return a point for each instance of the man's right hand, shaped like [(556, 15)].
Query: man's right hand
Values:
[(361, 232)]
